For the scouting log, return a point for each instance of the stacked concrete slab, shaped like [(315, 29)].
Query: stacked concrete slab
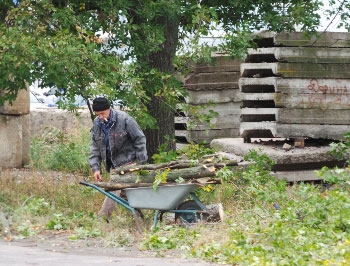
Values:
[(296, 87), (213, 87)]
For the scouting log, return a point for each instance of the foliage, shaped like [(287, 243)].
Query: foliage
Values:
[(132, 50), (279, 225), (170, 237), (338, 176), (195, 151), (160, 178), (61, 151), (164, 155), (341, 150)]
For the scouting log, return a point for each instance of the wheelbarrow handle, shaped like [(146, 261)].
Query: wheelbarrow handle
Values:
[(84, 183)]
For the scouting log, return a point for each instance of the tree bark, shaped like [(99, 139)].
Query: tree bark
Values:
[(173, 175), (180, 164), (162, 60), (112, 186)]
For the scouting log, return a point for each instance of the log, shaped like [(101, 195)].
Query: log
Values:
[(113, 186), (216, 212), (152, 167), (140, 175), (179, 164), (172, 176)]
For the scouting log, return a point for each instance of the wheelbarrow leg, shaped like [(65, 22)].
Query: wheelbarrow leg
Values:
[(117, 199), (137, 223), (155, 219)]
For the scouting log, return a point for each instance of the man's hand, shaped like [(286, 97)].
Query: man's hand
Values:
[(97, 176)]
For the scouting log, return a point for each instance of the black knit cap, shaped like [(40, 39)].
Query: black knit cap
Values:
[(100, 104)]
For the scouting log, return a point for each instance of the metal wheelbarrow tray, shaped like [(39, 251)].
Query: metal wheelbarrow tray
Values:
[(166, 198)]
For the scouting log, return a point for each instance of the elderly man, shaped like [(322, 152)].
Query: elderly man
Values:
[(116, 140)]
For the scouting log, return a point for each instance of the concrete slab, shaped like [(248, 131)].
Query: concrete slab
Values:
[(296, 159)]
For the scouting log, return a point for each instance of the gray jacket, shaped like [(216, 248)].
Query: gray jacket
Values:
[(126, 140)]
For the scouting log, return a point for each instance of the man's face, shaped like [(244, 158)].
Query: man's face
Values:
[(104, 115)]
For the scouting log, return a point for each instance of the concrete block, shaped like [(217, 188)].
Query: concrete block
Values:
[(333, 132), (294, 85), (220, 63), (324, 39), (26, 139), (197, 136), (20, 106), (293, 159), (299, 54), (295, 70), (313, 116), (220, 122), (212, 86), (42, 119), (313, 101), (200, 78), (216, 96), (11, 141)]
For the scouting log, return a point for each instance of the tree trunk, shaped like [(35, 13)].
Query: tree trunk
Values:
[(162, 60)]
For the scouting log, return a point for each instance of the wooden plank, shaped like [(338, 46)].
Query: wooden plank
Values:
[(299, 54), (313, 116), (295, 70)]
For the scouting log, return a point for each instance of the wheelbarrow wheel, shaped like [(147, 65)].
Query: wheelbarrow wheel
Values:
[(189, 217)]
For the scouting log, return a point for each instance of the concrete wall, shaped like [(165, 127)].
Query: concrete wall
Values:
[(16, 131)]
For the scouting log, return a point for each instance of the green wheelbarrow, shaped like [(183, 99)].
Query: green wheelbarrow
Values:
[(166, 198)]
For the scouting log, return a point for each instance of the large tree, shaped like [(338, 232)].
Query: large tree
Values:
[(133, 50)]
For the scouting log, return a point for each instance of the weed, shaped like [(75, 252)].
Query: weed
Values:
[(267, 221), (60, 151)]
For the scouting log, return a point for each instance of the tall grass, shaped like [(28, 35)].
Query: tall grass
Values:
[(61, 151)]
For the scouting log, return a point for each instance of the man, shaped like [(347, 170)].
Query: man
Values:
[(116, 140)]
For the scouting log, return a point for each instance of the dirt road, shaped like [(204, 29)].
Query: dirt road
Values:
[(43, 254)]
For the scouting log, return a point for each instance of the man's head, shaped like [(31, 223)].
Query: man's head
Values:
[(101, 107)]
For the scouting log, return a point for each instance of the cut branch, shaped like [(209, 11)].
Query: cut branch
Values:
[(112, 186)]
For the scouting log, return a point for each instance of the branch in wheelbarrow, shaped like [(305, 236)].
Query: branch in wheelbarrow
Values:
[(172, 176), (152, 167), (179, 164), (112, 186)]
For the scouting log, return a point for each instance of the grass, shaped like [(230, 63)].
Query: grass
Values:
[(267, 221)]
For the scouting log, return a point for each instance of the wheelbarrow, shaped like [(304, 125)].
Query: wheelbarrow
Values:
[(166, 198)]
